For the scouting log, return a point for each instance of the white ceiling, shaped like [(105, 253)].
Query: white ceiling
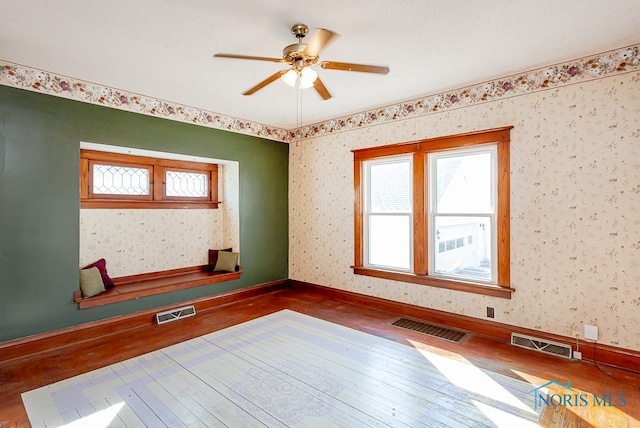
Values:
[(164, 48)]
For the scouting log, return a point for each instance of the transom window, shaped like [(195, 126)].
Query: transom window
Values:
[(436, 212), (121, 180), (111, 180)]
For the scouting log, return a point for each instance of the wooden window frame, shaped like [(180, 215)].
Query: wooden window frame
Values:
[(157, 197), (419, 150)]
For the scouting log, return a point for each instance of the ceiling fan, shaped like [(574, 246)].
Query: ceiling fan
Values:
[(301, 57)]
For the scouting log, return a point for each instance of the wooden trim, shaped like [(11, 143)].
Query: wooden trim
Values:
[(435, 143), (420, 249), (134, 160), (116, 203), (503, 215), (149, 284), (84, 176), (27, 346), (604, 354), (358, 198), (383, 151), (487, 290), (158, 185)]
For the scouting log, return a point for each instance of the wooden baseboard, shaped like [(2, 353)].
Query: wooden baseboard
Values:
[(24, 347), (603, 354), (27, 346)]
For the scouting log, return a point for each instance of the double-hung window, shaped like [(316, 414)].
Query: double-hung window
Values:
[(436, 212), (388, 215), (462, 214)]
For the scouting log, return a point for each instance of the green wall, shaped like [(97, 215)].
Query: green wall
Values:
[(39, 204)]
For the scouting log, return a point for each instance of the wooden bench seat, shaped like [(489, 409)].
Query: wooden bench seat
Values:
[(148, 284)]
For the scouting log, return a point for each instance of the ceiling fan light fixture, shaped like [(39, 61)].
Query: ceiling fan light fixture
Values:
[(307, 77), (290, 77)]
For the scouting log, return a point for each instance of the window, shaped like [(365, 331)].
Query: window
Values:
[(462, 190), (114, 180), (436, 212), (388, 214)]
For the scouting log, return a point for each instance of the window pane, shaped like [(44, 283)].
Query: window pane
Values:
[(120, 180), (390, 187), (187, 184), (390, 241), (463, 183), (471, 261)]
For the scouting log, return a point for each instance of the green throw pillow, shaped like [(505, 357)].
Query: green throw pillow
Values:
[(91, 282), (227, 261)]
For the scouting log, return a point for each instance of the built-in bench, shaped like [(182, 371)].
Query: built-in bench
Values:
[(149, 284)]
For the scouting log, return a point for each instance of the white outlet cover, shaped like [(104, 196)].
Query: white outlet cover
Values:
[(590, 332)]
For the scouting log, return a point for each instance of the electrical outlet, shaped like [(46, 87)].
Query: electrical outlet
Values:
[(490, 312), (591, 332), (577, 355)]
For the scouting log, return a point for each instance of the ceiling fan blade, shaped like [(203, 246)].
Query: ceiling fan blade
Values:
[(256, 58), (319, 41), (265, 82), (321, 89), (332, 65)]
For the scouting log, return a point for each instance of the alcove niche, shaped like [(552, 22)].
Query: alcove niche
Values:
[(136, 241)]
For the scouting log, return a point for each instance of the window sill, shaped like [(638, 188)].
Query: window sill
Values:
[(487, 290), (127, 204), (149, 284)]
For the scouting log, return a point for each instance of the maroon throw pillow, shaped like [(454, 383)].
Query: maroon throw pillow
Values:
[(102, 267), (213, 257)]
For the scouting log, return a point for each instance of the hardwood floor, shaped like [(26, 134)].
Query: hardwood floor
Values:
[(24, 374)]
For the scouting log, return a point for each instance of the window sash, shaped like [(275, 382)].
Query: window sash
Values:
[(394, 241), (97, 194), (171, 194), (470, 263)]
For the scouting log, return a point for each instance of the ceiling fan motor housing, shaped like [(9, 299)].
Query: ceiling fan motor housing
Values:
[(295, 55)]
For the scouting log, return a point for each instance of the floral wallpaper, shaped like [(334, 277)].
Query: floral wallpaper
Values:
[(575, 206), (135, 241)]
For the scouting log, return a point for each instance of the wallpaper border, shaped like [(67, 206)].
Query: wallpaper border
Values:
[(610, 63), (35, 80), (618, 61)]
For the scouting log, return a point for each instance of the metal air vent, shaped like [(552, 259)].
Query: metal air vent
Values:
[(541, 345), (175, 314), (431, 330)]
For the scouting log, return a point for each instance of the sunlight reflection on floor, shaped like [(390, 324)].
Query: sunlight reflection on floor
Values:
[(99, 419), (610, 416), (473, 379)]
